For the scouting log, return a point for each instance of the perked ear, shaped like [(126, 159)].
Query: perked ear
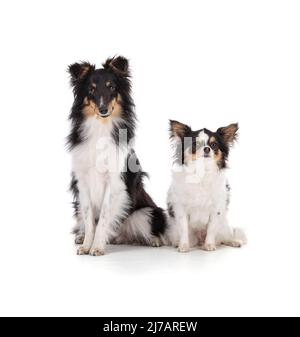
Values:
[(118, 64), (229, 133), (79, 71), (178, 129)]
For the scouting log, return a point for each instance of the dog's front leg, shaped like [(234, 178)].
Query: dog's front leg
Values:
[(100, 237), (88, 220), (181, 219), (114, 208), (212, 230)]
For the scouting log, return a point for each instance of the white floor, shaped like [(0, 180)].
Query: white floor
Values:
[(50, 279)]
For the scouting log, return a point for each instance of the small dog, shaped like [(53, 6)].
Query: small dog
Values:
[(199, 193), (110, 203)]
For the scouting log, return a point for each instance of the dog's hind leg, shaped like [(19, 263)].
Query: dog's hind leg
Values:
[(234, 237), (78, 229)]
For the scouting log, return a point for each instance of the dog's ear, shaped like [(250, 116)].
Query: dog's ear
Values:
[(178, 129), (118, 65), (229, 133), (79, 71)]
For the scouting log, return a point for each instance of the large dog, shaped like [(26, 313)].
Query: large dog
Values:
[(110, 202)]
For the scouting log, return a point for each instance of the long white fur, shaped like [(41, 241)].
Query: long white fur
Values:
[(97, 165), (198, 196)]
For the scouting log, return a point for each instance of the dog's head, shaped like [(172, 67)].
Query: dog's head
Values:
[(203, 143), (100, 93)]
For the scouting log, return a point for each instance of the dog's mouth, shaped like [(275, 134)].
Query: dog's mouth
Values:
[(206, 155), (104, 110), (104, 115)]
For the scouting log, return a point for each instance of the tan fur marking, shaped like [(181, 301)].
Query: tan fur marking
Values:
[(92, 90), (114, 107), (190, 156), (212, 139), (90, 108), (218, 156)]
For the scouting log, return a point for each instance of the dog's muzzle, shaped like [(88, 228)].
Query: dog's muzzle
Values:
[(103, 111)]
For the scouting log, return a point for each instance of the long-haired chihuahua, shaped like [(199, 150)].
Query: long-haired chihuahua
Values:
[(199, 193)]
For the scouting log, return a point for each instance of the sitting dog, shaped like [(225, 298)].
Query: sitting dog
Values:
[(199, 193), (110, 203)]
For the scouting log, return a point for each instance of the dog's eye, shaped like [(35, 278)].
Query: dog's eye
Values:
[(213, 145), (110, 86), (91, 91)]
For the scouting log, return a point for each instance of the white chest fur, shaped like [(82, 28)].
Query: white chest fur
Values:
[(200, 189), (96, 159)]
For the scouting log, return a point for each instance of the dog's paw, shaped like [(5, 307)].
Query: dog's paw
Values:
[(175, 244), (156, 242), (79, 238), (209, 247), (97, 252), (183, 248), (234, 243), (82, 250)]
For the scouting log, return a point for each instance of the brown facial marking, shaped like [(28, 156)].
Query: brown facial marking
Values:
[(90, 108), (188, 156), (212, 139), (218, 157), (114, 107), (93, 87)]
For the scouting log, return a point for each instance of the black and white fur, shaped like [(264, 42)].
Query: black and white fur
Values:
[(110, 203), (199, 193)]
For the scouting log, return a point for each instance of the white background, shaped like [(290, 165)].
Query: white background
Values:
[(205, 63)]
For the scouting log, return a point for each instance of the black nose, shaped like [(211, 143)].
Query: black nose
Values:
[(103, 110), (206, 150)]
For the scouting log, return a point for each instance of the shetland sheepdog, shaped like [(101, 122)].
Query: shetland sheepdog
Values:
[(110, 202)]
